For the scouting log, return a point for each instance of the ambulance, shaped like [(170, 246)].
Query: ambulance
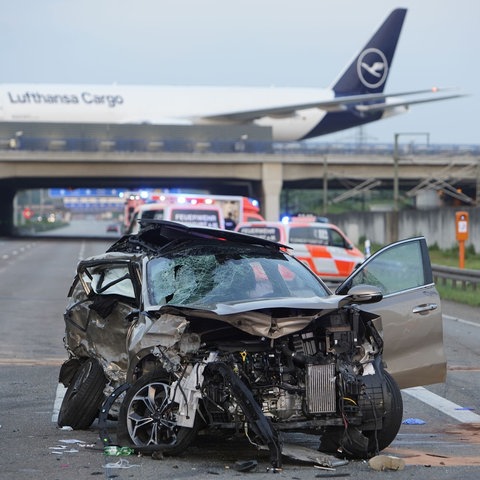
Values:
[(219, 211), (321, 246), (193, 215)]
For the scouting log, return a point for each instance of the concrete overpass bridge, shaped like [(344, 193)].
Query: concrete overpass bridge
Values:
[(248, 165)]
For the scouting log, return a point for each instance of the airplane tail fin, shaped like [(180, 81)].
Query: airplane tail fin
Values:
[(369, 70)]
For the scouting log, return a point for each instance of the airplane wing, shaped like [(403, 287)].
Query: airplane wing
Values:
[(337, 104), (402, 103)]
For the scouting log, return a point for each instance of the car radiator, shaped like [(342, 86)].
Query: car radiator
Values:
[(321, 394)]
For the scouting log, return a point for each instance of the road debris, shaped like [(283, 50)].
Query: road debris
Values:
[(117, 451), (122, 463), (61, 449), (413, 421), (245, 466), (386, 462)]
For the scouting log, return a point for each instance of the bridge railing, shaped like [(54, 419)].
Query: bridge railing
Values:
[(125, 144)]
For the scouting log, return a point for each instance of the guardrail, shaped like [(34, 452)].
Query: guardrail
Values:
[(457, 276)]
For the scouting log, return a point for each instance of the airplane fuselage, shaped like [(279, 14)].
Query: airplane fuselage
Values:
[(162, 105)]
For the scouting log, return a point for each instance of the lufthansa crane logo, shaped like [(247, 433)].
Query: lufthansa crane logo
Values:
[(372, 68)]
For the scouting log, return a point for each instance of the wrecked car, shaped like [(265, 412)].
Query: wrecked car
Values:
[(213, 329)]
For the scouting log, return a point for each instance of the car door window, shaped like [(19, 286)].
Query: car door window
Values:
[(106, 279), (396, 269), (336, 240), (309, 235)]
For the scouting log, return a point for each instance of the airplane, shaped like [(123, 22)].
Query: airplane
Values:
[(357, 97)]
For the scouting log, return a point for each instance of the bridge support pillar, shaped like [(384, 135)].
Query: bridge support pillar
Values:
[(272, 182), (7, 195)]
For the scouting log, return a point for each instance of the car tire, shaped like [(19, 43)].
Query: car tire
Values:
[(133, 430), (371, 442), (84, 396)]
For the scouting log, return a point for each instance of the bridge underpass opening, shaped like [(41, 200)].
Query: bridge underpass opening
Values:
[(99, 211)]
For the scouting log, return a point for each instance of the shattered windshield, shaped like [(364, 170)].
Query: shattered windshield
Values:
[(202, 276)]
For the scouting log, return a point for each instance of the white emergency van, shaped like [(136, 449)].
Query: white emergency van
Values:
[(321, 246), (198, 215)]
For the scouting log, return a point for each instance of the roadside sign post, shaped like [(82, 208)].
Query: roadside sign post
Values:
[(461, 230)]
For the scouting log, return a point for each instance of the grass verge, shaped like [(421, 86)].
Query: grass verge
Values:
[(458, 293)]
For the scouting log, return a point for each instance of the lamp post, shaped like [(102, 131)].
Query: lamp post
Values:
[(395, 163)]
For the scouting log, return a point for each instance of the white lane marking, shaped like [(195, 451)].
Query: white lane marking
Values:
[(81, 253), (443, 405), (58, 401), (461, 320)]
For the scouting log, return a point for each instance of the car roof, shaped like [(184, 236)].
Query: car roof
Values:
[(157, 233)]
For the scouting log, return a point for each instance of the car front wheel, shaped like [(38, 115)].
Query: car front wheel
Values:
[(148, 418)]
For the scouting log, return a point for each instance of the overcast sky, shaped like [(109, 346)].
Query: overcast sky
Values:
[(252, 43)]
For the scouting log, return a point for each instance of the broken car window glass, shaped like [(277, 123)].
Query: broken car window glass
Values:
[(112, 280), (210, 276)]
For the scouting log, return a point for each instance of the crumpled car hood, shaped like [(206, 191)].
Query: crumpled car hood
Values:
[(271, 318)]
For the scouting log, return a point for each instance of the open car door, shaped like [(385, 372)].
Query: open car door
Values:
[(410, 310)]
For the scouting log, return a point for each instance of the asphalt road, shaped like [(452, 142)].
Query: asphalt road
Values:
[(34, 278)]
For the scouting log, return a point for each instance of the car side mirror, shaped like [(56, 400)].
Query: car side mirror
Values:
[(364, 294)]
